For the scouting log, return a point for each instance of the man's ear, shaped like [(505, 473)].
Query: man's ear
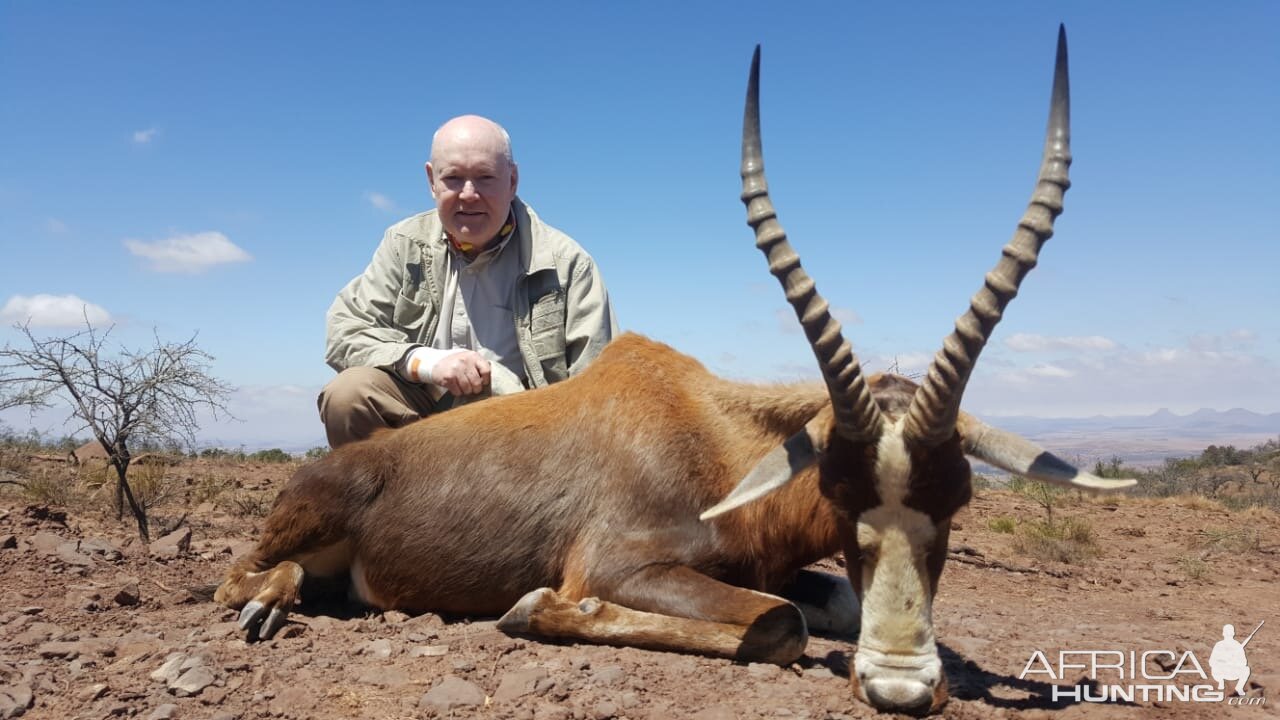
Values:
[(431, 178), (515, 176)]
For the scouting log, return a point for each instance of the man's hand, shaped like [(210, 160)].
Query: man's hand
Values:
[(462, 373)]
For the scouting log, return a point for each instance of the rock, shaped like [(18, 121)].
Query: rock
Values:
[(818, 673), (31, 610), (128, 594), (15, 700), (46, 543), (429, 651), (86, 599), (395, 617), (67, 650), (604, 710), (463, 665), (192, 681), (609, 675), (376, 648), (171, 669), (763, 670), (452, 692), (8, 542), (715, 712), (386, 677), (100, 547), (167, 711), (173, 545), (95, 691), (518, 684), (69, 553)]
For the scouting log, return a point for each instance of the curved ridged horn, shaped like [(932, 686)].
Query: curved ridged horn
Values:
[(932, 416), (857, 416)]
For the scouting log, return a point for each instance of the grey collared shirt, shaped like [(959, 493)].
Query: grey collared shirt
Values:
[(477, 313)]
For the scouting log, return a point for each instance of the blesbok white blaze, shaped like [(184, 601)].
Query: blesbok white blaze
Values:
[(575, 509)]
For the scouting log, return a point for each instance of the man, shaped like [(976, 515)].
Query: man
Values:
[(475, 297)]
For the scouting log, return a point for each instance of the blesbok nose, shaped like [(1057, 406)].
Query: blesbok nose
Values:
[(905, 695)]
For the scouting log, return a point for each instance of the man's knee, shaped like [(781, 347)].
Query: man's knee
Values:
[(361, 400)]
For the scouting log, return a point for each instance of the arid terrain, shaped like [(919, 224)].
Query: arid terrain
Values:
[(96, 624)]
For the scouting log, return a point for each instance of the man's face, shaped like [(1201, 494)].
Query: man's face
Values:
[(473, 185)]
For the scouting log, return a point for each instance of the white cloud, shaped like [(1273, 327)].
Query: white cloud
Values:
[(380, 201), (1203, 372), (1050, 371), (53, 311), (55, 226), (1026, 342), (142, 137), (188, 253)]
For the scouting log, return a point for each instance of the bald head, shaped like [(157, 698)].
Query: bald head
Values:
[(472, 131), (473, 178)]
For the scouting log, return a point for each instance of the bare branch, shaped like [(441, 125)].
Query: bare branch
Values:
[(120, 395)]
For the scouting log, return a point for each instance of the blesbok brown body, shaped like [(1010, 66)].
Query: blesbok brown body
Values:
[(648, 502)]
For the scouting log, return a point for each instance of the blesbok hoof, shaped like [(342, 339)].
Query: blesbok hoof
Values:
[(252, 620), (519, 619)]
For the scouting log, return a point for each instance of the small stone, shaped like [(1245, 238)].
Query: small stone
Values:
[(128, 594), (167, 711), (15, 700), (8, 542), (395, 617), (517, 684), (100, 547), (377, 648), (609, 675), (429, 651), (67, 650), (192, 681), (32, 610), (171, 669), (604, 710), (452, 692), (93, 692), (463, 665), (715, 712), (819, 673), (173, 545), (386, 677), (763, 670)]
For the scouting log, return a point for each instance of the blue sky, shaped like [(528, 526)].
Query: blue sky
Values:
[(274, 142)]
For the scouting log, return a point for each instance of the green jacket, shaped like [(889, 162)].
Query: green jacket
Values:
[(561, 308)]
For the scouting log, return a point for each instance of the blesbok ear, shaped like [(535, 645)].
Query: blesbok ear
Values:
[(777, 468), (1019, 455)]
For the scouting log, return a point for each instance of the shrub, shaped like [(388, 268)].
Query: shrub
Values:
[(1069, 540), (1003, 524), (274, 455)]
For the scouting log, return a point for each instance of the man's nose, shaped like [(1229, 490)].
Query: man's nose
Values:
[(469, 191)]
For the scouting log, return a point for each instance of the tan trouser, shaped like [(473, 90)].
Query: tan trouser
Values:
[(363, 399)]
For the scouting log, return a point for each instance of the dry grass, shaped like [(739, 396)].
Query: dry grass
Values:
[(1003, 524), (1195, 567), (1238, 541), (1067, 540)]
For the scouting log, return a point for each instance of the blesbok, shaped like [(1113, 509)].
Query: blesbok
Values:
[(598, 509)]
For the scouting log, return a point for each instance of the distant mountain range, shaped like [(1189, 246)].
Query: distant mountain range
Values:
[(1144, 439)]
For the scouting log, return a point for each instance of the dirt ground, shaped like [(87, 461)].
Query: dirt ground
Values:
[(94, 624)]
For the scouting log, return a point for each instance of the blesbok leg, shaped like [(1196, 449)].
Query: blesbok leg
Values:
[(302, 535), (668, 607)]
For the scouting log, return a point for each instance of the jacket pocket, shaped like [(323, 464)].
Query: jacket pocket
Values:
[(409, 316), (547, 317)]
